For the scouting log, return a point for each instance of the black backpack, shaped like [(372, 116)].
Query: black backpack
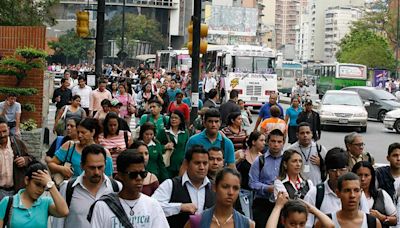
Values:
[(7, 215), (70, 189)]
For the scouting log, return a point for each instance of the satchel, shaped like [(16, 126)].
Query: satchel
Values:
[(60, 126), (58, 178)]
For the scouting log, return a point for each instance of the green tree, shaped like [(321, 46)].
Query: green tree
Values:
[(71, 46), (137, 27), (27, 12), (366, 47)]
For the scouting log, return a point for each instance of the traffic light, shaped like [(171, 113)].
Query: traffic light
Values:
[(82, 24), (203, 35)]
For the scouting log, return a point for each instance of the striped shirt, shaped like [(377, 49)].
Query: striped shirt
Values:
[(238, 140), (114, 142)]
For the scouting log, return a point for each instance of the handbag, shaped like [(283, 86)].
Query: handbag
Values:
[(168, 153), (60, 126), (58, 177)]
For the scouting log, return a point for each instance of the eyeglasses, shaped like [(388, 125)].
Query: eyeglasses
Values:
[(134, 175), (358, 144), (342, 170)]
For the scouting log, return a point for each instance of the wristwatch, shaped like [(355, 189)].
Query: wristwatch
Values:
[(49, 185)]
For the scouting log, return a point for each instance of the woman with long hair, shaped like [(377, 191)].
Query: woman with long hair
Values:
[(380, 203), (143, 98), (163, 98), (290, 118), (150, 182), (30, 208), (255, 146), (290, 179), (114, 89), (223, 214), (128, 103), (156, 163), (71, 151), (113, 138), (235, 132), (174, 136), (71, 111)]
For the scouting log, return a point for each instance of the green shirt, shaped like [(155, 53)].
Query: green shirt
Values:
[(159, 124), (179, 148), (156, 163)]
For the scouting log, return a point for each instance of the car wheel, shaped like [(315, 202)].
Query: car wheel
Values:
[(396, 126), (364, 129), (381, 115)]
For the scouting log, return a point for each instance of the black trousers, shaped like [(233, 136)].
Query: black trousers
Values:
[(262, 209)]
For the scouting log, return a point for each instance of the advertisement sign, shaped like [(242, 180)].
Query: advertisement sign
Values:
[(380, 78)]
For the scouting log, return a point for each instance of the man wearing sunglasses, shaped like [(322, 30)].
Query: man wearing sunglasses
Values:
[(355, 149), (129, 208), (323, 196)]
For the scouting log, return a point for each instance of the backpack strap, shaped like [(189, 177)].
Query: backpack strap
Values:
[(114, 185), (223, 144), (369, 157), (69, 191), (371, 221), (320, 195), (7, 215), (126, 139), (322, 167), (261, 162)]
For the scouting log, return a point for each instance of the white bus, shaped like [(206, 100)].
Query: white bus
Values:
[(169, 59), (248, 69)]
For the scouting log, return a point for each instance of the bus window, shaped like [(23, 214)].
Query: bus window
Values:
[(164, 59), (261, 65), (242, 64)]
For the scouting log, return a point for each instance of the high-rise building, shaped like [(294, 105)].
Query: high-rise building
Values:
[(287, 14), (316, 14), (337, 24)]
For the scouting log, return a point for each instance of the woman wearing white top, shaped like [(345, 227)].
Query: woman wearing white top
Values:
[(380, 203), (290, 180)]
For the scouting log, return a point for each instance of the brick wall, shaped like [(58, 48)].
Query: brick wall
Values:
[(11, 38)]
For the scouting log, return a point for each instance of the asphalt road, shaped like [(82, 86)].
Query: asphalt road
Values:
[(377, 138)]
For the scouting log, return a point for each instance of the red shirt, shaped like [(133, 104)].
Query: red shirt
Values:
[(184, 108)]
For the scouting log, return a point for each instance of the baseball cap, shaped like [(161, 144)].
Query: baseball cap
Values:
[(308, 101), (115, 102)]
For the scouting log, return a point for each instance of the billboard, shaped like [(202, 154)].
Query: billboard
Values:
[(380, 78), (232, 21)]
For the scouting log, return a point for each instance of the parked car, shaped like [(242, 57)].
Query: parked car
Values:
[(342, 108), (392, 120), (381, 101)]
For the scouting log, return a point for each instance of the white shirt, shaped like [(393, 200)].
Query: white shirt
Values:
[(331, 203), (337, 225), (314, 172), (84, 93), (387, 200), (279, 187), (147, 214), (197, 195), (81, 201), (209, 83)]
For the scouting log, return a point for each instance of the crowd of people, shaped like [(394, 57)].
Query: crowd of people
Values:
[(170, 172)]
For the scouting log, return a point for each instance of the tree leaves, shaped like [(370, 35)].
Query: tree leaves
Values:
[(72, 46)]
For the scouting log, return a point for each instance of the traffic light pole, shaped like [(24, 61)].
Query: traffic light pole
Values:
[(101, 8), (195, 59)]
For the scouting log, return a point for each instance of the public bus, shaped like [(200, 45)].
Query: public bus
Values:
[(169, 59), (339, 75), (245, 68), (288, 73)]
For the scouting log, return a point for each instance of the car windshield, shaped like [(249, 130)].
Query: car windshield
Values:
[(384, 95), (342, 99)]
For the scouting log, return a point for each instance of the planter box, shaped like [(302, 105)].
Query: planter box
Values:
[(33, 140)]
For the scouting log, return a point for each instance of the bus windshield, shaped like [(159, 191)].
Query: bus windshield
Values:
[(263, 65), (248, 64), (242, 64)]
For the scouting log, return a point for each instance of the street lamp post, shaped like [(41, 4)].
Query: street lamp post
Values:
[(397, 39)]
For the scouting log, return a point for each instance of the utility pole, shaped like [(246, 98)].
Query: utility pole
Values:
[(195, 59), (397, 39), (101, 8), (123, 29)]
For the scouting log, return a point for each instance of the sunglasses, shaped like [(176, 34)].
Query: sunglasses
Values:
[(134, 175)]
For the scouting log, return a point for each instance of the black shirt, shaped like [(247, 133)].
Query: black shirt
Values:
[(66, 96), (226, 109)]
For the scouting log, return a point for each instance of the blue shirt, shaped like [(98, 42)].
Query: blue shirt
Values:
[(75, 160), (172, 94), (260, 181), (36, 216), (293, 114), (188, 101), (264, 111), (202, 139)]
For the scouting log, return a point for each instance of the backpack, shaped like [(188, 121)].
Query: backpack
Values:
[(320, 195), (322, 167), (59, 142), (371, 220), (7, 215), (70, 189)]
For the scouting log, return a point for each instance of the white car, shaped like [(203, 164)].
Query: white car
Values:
[(343, 108), (392, 120)]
